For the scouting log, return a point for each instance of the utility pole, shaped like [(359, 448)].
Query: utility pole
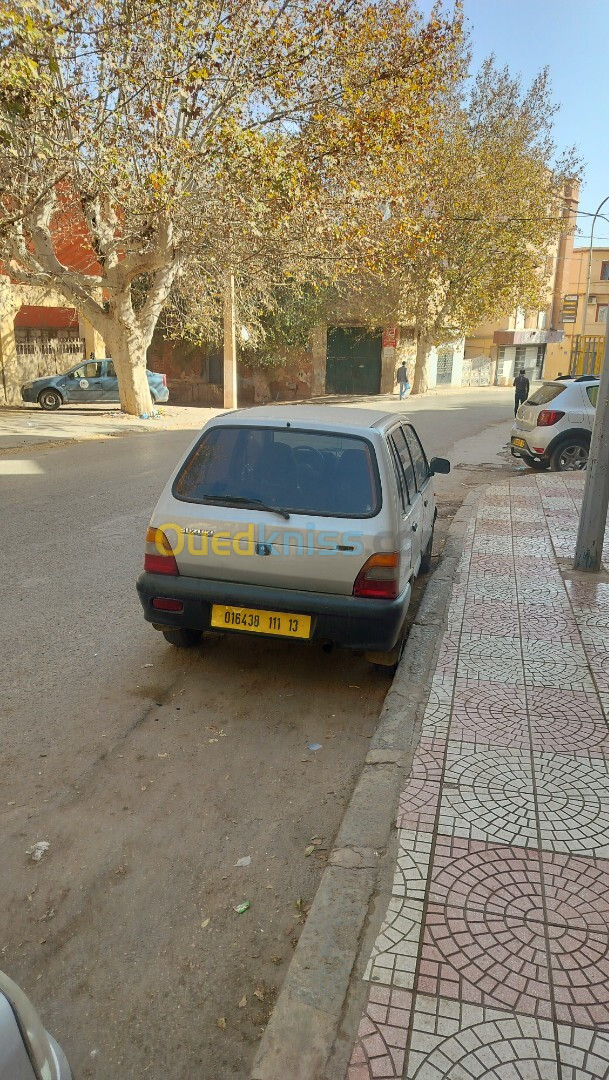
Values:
[(587, 296), (593, 517), (230, 342)]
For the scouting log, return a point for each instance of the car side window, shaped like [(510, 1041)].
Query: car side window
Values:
[(399, 474), (110, 370), (92, 370), (421, 467), (405, 461), (592, 392), (78, 374)]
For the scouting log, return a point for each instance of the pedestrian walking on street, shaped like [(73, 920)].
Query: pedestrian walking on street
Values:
[(401, 377), (521, 384)]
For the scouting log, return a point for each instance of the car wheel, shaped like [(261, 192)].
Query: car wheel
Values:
[(387, 663), (425, 566), (49, 400), (182, 637), (539, 465), (571, 455)]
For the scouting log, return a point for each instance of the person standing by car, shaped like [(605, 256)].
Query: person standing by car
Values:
[(521, 384), (401, 377)]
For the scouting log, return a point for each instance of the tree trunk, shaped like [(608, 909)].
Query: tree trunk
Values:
[(419, 382), (129, 354), (262, 390)]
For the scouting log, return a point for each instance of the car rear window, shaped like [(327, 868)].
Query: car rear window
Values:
[(303, 472), (592, 392), (546, 393)]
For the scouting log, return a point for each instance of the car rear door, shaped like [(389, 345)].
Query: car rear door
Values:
[(411, 523), (590, 393), (423, 479)]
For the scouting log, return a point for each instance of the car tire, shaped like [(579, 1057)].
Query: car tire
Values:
[(425, 566), (391, 659), (539, 466), (49, 400), (571, 455), (388, 662), (183, 637)]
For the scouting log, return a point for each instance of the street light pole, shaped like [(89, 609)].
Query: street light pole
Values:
[(593, 517), (587, 296)]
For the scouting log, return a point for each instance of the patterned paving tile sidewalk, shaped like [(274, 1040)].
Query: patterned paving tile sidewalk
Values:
[(493, 959)]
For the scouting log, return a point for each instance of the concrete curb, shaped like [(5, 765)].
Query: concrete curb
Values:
[(313, 1026)]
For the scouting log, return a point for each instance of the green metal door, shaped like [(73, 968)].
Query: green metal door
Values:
[(353, 364)]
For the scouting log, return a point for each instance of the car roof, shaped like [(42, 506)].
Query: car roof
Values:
[(566, 380), (330, 417)]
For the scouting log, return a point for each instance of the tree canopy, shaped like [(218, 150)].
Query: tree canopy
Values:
[(145, 134), (492, 212)]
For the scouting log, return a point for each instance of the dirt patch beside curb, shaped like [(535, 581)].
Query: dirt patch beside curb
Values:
[(314, 1023)]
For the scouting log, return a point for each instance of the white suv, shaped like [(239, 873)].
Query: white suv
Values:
[(554, 426)]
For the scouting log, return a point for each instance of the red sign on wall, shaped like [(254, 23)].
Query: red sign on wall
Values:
[(390, 337)]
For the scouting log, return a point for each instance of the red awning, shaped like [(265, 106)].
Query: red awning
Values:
[(31, 317)]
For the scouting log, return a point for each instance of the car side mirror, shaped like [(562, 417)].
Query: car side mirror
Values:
[(439, 465)]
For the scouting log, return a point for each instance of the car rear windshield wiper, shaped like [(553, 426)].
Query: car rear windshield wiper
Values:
[(241, 500)]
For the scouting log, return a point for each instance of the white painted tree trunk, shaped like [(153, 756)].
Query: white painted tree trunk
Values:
[(127, 332), (128, 351), (420, 378)]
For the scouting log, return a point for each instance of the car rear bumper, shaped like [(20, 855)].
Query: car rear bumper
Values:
[(351, 621), (526, 451)]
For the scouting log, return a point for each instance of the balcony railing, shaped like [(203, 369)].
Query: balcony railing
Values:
[(586, 354)]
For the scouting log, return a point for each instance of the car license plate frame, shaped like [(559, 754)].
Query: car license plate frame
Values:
[(285, 624)]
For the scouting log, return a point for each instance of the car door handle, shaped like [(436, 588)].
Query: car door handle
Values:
[(415, 526), (426, 502)]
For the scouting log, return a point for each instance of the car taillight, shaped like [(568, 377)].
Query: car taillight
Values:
[(547, 417), (378, 577), (159, 557), (164, 378)]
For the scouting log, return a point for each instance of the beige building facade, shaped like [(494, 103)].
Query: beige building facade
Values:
[(534, 340), (584, 314)]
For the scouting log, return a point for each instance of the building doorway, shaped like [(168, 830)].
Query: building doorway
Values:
[(353, 360), (444, 375)]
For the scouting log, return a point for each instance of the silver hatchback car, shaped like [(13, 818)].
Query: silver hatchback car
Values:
[(306, 522), (553, 428), (27, 1051)]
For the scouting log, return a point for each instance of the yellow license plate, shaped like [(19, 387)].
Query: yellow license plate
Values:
[(253, 621), (518, 442)]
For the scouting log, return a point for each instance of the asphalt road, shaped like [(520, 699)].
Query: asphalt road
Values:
[(151, 772)]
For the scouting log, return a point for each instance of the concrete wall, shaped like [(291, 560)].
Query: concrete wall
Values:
[(194, 372)]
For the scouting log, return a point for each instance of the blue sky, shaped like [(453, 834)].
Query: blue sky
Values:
[(571, 37)]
